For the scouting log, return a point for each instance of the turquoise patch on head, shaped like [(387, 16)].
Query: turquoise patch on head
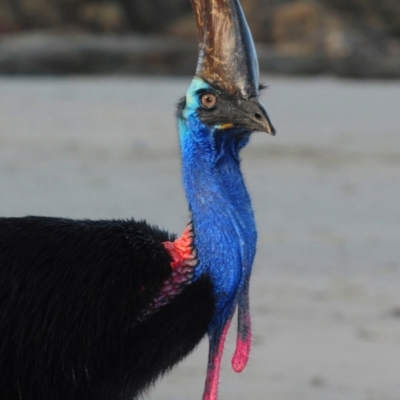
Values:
[(192, 99)]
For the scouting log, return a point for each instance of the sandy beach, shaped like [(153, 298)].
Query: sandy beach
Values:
[(326, 191)]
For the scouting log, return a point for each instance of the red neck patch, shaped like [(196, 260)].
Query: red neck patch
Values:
[(184, 260), (182, 250)]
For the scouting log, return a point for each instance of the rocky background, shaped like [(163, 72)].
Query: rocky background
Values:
[(352, 38)]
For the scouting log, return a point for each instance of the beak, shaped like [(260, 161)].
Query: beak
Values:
[(254, 117), (238, 113)]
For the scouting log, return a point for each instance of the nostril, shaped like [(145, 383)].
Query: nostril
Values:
[(258, 116)]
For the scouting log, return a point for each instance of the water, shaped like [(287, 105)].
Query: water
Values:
[(326, 190)]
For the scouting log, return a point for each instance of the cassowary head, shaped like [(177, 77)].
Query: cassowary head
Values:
[(224, 93)]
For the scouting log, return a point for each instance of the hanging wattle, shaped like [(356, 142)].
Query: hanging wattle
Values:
[(223, 222)]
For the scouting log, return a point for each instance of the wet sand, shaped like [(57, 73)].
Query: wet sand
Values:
[(326, 190)]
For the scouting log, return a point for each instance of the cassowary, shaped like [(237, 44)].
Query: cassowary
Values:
[(99, 309)]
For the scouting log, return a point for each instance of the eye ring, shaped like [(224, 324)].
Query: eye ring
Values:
[(208, 100)]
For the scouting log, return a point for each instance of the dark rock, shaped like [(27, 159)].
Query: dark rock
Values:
[(362, 54), (260, 15), (382, 14), (349, 38), (44, 53), (299, 24), (274, 61), (36, 14), (154, 15), (102, 17)]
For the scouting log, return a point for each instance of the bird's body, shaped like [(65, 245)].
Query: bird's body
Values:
[(71, 295), (97, 310)]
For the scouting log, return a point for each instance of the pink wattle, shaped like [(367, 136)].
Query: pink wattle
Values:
[(241, 356), (243, 342), (214, 366)]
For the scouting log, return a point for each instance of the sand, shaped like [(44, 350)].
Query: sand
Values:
[(326, 190)]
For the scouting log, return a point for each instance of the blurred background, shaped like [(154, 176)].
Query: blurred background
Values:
[(87, 130), (353, 38)]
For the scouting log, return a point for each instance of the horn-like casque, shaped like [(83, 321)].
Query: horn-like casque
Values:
[(227, 56)]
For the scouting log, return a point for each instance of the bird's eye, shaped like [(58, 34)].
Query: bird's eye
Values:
[(208, 100)]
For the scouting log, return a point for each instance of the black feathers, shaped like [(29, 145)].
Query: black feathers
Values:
[(70, 296), (262, 87), (180, 107)]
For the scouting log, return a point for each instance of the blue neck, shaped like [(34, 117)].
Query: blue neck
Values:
[(224, 227)]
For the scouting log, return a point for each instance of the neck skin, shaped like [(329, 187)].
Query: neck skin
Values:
[(224, 229)]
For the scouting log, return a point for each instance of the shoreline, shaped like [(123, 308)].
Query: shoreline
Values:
[(55, 53)]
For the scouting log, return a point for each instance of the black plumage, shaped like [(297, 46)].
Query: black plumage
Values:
[(71, 296), (97, 310)]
